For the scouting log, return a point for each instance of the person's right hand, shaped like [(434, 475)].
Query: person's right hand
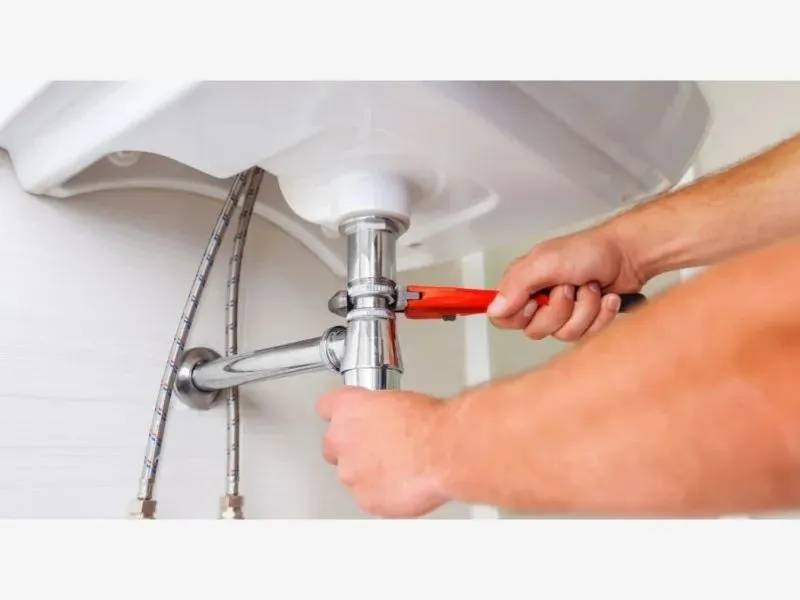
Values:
[(586, 271)]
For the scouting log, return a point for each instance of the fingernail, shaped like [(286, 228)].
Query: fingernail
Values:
[(595, 287), (569, 292), (612, 302), (529, 309), (497, 306)]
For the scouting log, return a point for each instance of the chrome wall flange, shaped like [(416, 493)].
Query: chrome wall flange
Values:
[(185, 389)]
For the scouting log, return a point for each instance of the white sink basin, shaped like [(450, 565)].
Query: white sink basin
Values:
[(484, 163)]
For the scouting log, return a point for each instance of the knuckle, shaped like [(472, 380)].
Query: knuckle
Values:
[(333, 435), (517, 261), (603, 325), (593, 331), (588, 295), (330, 449), (520, 321), (347, 475), (577, 326), (573, 330), (603, 320), (323, 408), (534, 333), (559, 315), (558, 326), (511, 273), (543, 324), (501, 323), (516, 321), (586, 312), (369, 505), (566, 336)]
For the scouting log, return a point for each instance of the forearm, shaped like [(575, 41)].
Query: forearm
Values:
[(746, 206), (689, 406)]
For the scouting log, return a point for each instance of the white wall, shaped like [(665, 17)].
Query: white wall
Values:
[(747, 118), (92, 291)]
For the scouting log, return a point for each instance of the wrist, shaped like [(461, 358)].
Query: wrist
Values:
[(466, 434), (645, 246), (442, 444), (669, 232)]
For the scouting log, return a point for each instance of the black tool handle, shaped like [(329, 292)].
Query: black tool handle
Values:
[(627, 301), (631, 301)]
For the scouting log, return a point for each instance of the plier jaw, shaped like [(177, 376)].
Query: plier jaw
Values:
[(427, 302)]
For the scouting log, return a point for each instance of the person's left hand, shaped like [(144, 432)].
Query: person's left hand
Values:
[(386, 446)]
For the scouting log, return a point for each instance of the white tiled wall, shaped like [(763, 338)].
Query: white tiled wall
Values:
[(91, 292)]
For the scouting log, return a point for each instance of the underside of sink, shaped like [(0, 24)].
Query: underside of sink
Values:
[(469, 165)]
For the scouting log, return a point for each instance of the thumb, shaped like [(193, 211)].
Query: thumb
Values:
[(516, 289), (508, 302)]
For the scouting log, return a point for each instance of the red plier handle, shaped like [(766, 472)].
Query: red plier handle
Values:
[(443, 302)]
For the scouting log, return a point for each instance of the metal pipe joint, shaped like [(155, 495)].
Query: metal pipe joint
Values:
[(366, 352), (372, 356), (203, 373)]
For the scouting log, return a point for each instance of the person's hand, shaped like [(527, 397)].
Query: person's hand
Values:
[(586, 271), (385, 448)]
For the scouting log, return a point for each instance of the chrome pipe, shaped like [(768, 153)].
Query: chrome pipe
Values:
[(372, 357), (269, 363), (203, 373)]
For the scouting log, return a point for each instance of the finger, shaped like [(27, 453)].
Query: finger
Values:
[(519, 320), (341, 398), (587, 307), (549, 319), (347, 474), (609, 308), (521, 280), (329, 450), (325, 405)]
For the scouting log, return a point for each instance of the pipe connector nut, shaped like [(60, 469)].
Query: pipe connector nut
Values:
[(143, 509), (231, 507)]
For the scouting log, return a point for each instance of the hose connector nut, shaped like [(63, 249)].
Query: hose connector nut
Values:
[(231, 507), (143, 509)]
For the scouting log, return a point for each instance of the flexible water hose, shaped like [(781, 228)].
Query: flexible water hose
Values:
[(155, 436), (232, 327)]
